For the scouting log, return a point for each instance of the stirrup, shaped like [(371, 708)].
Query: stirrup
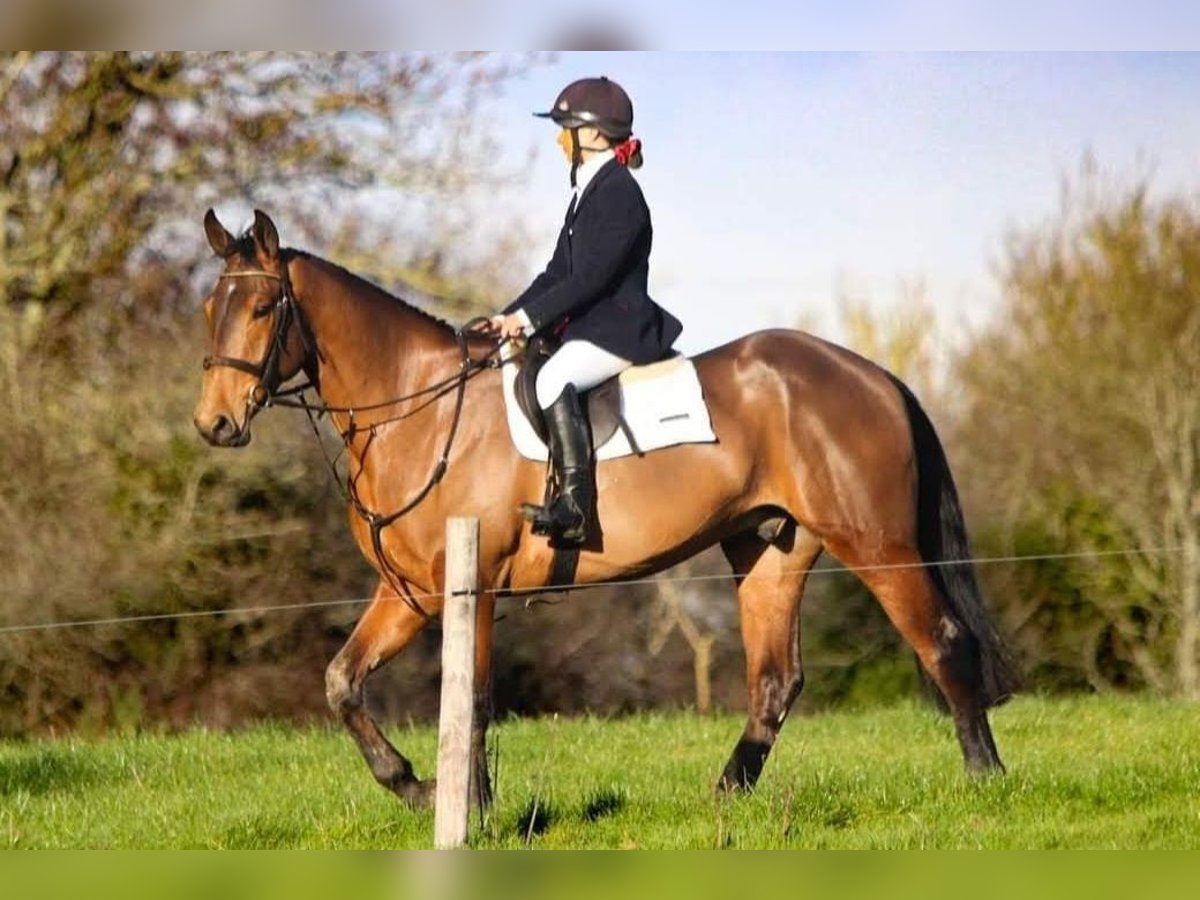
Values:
[(545, 523), (540, 518)]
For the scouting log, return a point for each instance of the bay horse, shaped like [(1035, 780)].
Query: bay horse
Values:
[(818, 450)]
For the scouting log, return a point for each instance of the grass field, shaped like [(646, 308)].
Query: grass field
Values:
[(1088, 772)]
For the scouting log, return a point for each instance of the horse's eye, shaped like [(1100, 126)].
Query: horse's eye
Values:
[(262, 310)]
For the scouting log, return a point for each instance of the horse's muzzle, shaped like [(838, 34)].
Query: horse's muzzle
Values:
[(222, 431)]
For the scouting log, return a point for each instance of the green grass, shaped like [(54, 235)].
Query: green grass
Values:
[(1089, 772)]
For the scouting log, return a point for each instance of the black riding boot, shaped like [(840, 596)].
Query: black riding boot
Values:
[(567, 516)]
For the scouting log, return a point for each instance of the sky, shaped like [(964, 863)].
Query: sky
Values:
[(779, 182)]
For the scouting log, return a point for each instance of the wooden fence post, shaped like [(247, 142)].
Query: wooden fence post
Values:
[(458, 681)]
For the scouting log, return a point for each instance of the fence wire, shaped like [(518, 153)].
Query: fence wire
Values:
[(521, 593)]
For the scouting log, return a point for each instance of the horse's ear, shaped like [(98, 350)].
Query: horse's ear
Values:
[(266, 238), (218, 237)]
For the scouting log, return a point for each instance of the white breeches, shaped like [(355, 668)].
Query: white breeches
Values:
[(579, 363)]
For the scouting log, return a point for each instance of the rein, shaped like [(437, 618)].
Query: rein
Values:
[(265, 393)]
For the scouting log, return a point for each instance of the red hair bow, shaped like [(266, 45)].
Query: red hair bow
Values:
[(624, 151)]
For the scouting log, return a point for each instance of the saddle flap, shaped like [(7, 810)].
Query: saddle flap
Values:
[(529, 363), (603, 402), (645, 408), (604, 411)]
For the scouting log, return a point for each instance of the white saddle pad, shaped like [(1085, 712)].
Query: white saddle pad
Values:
[(660, 405)]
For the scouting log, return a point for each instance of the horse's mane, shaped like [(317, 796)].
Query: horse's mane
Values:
[(244, 247), (360, 282)]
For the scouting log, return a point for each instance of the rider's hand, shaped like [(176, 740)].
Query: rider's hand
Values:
[(502, 326), (509, 326)]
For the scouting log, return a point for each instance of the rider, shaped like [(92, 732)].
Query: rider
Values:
[(593, 292)]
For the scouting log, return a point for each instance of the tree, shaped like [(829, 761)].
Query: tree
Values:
[(110, 506), (904, 339), (1083, 431), (103, 156), (699, 613)]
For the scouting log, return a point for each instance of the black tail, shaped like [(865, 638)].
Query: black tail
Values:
[(942, 537)]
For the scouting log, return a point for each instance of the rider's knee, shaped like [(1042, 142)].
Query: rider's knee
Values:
[(550, 386)]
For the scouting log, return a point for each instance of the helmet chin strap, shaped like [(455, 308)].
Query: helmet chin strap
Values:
[(577, 153)]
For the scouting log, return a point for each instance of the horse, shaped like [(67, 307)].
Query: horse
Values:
[(818, 450)]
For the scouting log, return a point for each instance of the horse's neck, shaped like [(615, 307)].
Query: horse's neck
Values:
[(375, 349), (371, 348)]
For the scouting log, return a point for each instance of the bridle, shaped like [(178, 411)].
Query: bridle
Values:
[(284, 313), (265, 392)]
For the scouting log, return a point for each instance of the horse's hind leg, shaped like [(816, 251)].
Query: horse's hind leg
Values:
[(770, 581), (383, 631), (902, 583)]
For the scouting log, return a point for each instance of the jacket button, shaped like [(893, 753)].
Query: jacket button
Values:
[(571, 232)]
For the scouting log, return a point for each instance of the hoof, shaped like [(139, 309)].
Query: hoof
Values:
[(418, 794), (982, 770), (414, 793), (744, 766), (727, 787)]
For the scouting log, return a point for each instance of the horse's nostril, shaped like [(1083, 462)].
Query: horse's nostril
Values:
[(218, 428)]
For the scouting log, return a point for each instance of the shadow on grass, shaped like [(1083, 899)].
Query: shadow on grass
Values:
[(603, 803), (535, 819), (47, 772)]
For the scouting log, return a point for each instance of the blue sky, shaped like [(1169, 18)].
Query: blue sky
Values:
[(779, 181)]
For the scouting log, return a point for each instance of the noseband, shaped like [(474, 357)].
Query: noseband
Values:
[(267, 370)]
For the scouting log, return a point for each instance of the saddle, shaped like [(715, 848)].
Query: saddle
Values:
[(645, 408), (603, 402)]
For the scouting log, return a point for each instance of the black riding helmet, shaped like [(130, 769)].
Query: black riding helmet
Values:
[(598, 102)]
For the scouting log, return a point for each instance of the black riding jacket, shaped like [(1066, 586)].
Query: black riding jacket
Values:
[(594, 287)]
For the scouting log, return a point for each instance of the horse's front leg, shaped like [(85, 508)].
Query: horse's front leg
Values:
[(383, 631)]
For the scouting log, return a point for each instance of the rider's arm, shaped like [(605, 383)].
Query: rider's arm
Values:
[(605, 235)]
